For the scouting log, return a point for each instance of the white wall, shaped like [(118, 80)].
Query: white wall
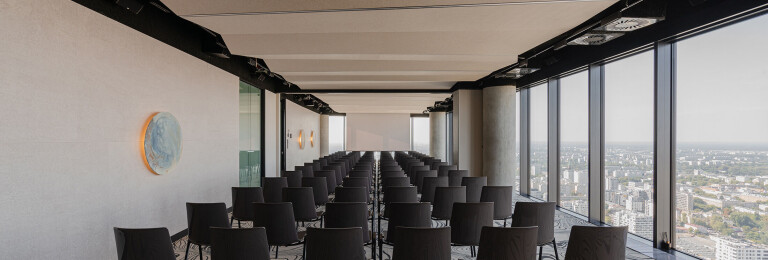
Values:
[(299, 118), (378, 132), (75, 91)]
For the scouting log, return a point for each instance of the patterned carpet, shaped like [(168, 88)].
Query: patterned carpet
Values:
[(563, 224)]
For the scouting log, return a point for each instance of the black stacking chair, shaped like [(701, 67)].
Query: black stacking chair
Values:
[(395, 182), (344, 167), (306, 171), (598, 243), (392, 174), (200, 218), (319, 188), (541, 214), (412, 173), (444, 169), (501, 196), (391, 168), (273, 188), (430, 183), (474, 187), (420, 175), (314, 166), (436, 165), (330, 179), (445, 197), (333, 244), (303, 202), (143, 244), (278, 220), (239, 244), (242, 203), (294, 178), (352, 194), (349, 214), (398, 194), (362, 174), (467, 221), (508, 243), (423, 243), (358, 182), (410, 214), (338, 176), (454, 177)]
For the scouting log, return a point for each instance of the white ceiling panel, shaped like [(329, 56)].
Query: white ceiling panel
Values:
[(381, 102)]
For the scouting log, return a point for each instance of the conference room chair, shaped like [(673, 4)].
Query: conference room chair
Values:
[(338, 176), (598, 243), (330, 179), (467, 222), (144, 244), (398, 194), (445, 197), (422, 243), (455, 176), (294, 178), (541, 214), (278, 220), (319, 188), (405, 214), (474, 187), (351, 194), (333, 244), (242, 203), (200, 218), (501, 196), (303, 202), (420, 175), (430, 183), (507, 243), (239, 244), (273, 188), (444, 169)]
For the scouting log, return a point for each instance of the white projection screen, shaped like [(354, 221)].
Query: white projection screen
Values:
[(378, 132)]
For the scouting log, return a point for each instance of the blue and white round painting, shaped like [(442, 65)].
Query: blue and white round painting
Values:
[(162, 143)]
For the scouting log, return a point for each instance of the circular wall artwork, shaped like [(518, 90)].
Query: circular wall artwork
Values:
[(162, 143)]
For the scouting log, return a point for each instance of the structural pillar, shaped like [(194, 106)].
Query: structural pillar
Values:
[(499, 135), (324, 136), (468, 131), (437, 135)]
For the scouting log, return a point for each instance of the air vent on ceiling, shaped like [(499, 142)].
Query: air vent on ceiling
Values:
[(594, 38)]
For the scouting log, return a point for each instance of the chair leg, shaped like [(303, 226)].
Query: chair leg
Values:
[(472, 251), (505, 222), (554, 245), (541, 251), (238, 224), (186, 255), (277, 249), (231, 220), (200, 249)]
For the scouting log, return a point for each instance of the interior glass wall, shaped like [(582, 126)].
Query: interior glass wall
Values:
[(337, 126), (574, 135), (250, 135), (629, 124), (538, 141), (722, 143), (420, 134)]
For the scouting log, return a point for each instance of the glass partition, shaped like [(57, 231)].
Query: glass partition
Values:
[(250, 135)]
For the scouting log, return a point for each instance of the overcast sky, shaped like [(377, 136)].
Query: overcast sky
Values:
[(722, 92)]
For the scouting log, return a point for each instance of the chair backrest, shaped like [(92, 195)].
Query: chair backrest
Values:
[(474, 187), (319, 188), (444, 199), (455, 176), (436, 165), (315, 166), (423, 243), (358, 182), (351, 194), (362, 174), (201, 217), (443, 169), (507, 243), (294, 178), (389, 174), (501, 196), (541, 214), (430, 183), (348, 214), (334, 243), (144, 243), (273, 188), (307, 171), (411, 164), (242, 201), (400, 194), (468, 220), (414, 169), (239, 244), (410, 214), (344, 167), (330, 179), (420, 177), (598, 243), (391, 168), (278, 220), (338, 175), (395, 182), (303, 202)]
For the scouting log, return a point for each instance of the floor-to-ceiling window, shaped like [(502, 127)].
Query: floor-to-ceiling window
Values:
[(517, 142), (722, 143), (574, 135), (337, 126), (420, 134), (250, 135), (538, 141), (629, 124)]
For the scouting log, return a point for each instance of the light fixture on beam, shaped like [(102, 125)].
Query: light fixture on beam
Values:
[(594, 38), (517, 73)]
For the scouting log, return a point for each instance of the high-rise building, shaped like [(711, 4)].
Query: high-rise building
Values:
[(732, 249)]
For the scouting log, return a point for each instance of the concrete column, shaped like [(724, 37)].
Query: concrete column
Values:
[(437, 135), (468, 131), (324, 145), (499, 135)]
